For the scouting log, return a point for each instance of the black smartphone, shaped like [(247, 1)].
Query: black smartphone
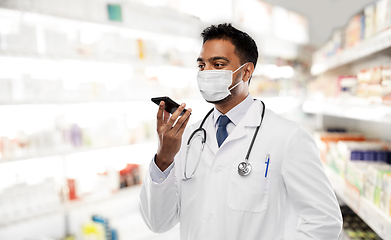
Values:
[(170, 105)]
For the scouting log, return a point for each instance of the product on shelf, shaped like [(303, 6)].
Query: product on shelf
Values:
[(370, 86), (375, 191), (99, 229), (354, 31), (370, 23), (386, 84), (374, 19), (383, 18), (106, 226), (365, 165), (129, 176), (333, 136), (347, 86), (96, 185)]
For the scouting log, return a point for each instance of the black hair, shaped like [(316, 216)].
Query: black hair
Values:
[(245, 46)]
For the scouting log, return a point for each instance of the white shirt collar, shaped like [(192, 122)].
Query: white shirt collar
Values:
[(236, 113)]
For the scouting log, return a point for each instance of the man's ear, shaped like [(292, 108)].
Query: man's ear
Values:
[(248, 71)]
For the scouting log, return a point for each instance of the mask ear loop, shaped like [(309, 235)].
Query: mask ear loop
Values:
[(239, 67), (235, 85), (235, 72)]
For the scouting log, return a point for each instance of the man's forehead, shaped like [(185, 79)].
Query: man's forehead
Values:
[(217, 49)]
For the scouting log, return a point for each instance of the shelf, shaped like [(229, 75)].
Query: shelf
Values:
[(129, 62), (124, 150), (364, 49), (59, 153), (136, 17), (365, 112), (376, 219), (88, 201), (74, 205)]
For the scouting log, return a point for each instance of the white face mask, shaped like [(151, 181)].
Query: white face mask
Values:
[(213, 84)]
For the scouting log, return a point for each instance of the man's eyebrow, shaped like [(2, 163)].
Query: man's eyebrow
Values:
[(218, 58), (213, 59)]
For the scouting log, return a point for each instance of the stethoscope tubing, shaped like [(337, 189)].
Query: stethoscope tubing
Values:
[(242, 171)]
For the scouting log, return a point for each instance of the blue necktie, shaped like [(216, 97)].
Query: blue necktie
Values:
[(222, 133)]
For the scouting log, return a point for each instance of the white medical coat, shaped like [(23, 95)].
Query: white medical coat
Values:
[(294, 201)]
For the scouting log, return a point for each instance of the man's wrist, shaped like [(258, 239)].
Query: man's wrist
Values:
[(162, 163)]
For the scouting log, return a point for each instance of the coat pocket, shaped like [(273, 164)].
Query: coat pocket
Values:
[(249, 193)]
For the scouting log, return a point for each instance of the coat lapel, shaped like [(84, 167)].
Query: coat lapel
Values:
[(251, 119)]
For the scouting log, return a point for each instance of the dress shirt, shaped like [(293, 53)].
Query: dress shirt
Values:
[(235, 114)]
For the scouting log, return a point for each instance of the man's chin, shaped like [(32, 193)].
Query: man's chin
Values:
[(222, 101)]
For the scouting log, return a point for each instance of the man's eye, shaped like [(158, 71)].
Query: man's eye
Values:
[(219, 65), (200, 66)]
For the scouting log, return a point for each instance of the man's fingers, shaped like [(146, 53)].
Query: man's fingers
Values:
[(175, 115), (166, 116), (183, 124), (181, 120), (160, 119)]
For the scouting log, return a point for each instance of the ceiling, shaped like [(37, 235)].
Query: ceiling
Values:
[(323, 15)]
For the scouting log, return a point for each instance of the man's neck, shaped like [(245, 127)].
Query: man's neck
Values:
[(226, 107)]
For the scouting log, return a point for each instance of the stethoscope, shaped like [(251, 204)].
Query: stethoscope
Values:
[(244, 168)]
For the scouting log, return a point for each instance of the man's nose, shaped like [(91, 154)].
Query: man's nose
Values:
[(208, 67)]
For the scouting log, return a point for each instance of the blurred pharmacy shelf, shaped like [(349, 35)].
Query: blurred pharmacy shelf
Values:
[(350, 93), (120, 207), (368, 112), (122, 193), (63, 153), (379, 42), (55, 201), (123, 211), (367, 211), (72, 206), (135, 16)]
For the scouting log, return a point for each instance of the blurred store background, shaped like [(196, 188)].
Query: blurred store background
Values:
[(77, 127)]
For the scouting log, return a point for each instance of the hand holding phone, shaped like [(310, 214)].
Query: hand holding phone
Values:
[(169, 129), (170, 105)]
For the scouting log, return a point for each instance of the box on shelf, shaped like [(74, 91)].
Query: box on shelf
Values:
[(370, 20), (356, 174), (383, 18)]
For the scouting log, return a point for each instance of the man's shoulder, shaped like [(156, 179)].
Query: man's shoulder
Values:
[(280, 124)]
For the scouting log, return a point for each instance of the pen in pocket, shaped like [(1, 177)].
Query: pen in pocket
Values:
[(267, 163)]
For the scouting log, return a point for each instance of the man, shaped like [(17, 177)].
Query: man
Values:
[(211, 190)]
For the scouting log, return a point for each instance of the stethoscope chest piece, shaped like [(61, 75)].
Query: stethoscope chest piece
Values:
[(244, 168)]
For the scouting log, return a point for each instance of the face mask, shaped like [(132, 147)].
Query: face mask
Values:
[(213, 84)]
